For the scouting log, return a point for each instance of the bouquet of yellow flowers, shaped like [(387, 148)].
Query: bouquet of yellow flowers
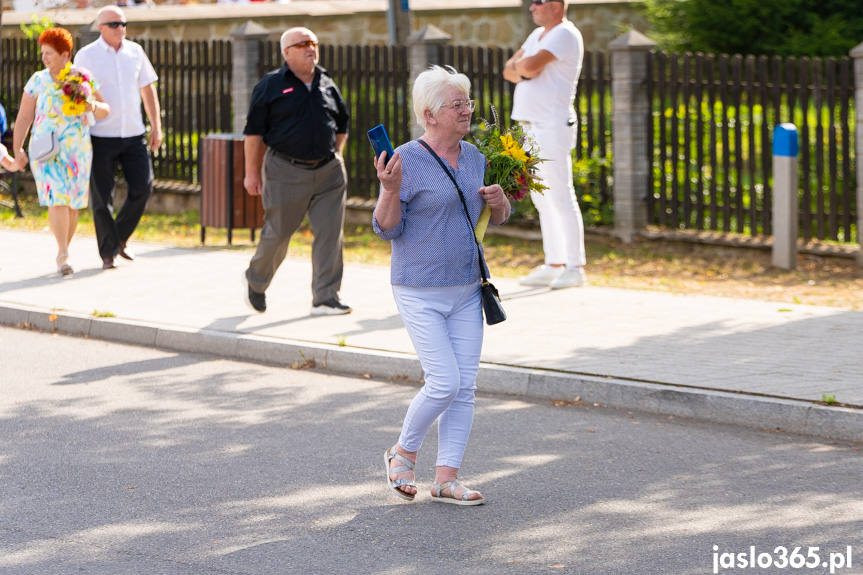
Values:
[(76, 84), (511, 161)]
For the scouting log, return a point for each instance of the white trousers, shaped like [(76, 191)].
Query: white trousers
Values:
[(559, 214), (446, 327)]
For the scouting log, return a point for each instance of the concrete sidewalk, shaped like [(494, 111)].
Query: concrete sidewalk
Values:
[(745, 362)]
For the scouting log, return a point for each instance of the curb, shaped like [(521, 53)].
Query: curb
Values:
[(769, 413)]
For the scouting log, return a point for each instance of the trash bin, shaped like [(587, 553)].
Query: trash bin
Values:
[(224, 201)]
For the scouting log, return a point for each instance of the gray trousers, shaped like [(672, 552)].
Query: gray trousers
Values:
[(289, 193)]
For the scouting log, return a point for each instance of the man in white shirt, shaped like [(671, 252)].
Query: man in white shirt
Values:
[(546, 70), (126, 78)]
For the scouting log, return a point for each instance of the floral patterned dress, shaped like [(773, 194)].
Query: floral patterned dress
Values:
[(63, 180)]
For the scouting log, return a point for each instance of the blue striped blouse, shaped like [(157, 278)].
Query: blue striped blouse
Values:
[(433, 245)]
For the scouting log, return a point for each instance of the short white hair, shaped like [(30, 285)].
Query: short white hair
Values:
[(284, 41), (430, 87)]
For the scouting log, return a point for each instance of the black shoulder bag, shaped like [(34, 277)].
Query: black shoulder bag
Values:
[(490, 298)]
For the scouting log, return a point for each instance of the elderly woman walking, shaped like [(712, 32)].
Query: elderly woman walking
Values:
[(435, 276), (62, 182)]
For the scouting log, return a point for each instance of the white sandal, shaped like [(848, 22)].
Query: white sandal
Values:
[(451, 498), (389, 454), (64, 269)]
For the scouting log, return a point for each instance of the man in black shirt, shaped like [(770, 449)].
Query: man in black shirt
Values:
[(295, 134)]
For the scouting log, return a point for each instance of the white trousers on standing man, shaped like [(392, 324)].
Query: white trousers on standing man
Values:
[(559, 214)]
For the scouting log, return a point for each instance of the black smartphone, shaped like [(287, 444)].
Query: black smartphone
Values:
[(380, 141)]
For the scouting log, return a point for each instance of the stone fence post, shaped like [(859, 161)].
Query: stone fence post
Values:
[(857, 54), (422, 53), (630, 117), (245, 69)]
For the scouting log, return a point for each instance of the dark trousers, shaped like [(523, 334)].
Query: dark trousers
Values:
[(289, 193), (132, 156)]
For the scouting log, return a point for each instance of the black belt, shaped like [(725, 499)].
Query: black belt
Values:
[(306, 164)]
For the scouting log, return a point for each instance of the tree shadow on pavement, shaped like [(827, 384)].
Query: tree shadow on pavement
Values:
[(189, 464)]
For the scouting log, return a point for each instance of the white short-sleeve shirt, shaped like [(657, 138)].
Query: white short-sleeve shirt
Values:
[(121, 75), (548, 98)]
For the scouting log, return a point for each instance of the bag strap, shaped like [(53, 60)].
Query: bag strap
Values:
[(463, 205)]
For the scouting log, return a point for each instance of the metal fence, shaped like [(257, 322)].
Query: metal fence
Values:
[(712, 126)]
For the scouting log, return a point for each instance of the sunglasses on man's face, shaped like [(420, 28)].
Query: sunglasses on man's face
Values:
[(541, 2), (115, 25), (304, 44)]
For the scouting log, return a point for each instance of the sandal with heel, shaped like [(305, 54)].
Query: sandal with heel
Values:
[(451, 498), (64, 269), (394, 484)]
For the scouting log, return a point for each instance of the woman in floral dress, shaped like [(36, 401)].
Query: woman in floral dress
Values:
[(63, 182)]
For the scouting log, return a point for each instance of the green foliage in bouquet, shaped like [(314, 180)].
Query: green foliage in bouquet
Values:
[(511, 162), (511, 158)]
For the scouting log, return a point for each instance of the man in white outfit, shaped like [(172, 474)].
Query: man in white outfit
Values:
[(127, 79), (545, 70)]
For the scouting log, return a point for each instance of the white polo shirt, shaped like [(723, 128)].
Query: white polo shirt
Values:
[(120, 76), (548, 98)]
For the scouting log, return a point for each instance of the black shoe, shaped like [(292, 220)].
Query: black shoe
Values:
[(108, 264), (331, 307), (256, 301), (125, 253)]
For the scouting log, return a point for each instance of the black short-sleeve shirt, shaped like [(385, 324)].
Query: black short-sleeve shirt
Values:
[(294, 120)]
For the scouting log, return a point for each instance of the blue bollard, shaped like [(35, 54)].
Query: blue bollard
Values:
[(785, 196)]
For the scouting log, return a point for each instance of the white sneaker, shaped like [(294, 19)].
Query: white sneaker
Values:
[(570, 278), (541, 276)]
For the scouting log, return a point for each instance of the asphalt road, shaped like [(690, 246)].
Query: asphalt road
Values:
[(125, 460)]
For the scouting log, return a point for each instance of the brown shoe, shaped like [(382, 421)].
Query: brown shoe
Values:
[(126, 254), (108, 264)]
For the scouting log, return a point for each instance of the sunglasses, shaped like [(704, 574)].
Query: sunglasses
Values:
[(304, 44), (115, 25), (460, 105), (541, 2)]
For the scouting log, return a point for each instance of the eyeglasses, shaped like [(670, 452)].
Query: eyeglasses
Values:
[(304, 44), (115, 25), (459, 105), (541, 2)]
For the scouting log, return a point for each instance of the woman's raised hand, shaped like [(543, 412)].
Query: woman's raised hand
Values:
[(389, 171), (388, 212)]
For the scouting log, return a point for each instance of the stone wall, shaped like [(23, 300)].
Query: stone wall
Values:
[(479, 22)]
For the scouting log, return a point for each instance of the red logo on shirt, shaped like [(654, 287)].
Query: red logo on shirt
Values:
[(287, 90)]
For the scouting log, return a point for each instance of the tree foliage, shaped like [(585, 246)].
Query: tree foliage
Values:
[(772, 27), (38, 25)]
